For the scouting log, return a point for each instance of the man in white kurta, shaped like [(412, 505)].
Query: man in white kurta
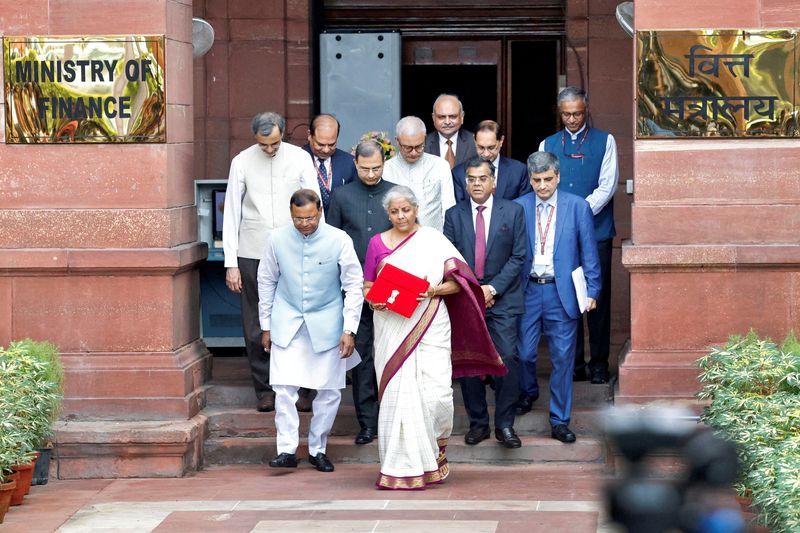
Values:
[(427, 175), (262, 179), (307, 327)]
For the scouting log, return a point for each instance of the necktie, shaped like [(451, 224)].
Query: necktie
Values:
[(324, 182), (450, 156), (480, 243)]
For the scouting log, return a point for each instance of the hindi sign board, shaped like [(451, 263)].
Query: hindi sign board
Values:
[(106, 89), (717, 83)]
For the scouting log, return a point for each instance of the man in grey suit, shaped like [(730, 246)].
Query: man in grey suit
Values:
[(450, 141), (490, 233), (356, 208)]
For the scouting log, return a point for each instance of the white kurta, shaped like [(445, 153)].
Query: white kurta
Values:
[(278, 178), (432, 182), (297, 364)]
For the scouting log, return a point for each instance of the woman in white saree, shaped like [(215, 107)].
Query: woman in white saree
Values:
[(413, 355)]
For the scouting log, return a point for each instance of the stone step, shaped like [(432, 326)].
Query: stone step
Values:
[(247, 422), (535, 449), (240, 393)]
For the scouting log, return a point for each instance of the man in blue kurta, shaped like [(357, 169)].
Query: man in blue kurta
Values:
[(307, 327), (588, 158)]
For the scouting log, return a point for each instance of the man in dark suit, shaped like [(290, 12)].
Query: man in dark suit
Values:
[(511, 176), (334, 167), (561, 239), (356, 208), (490, 234), (450, 141)]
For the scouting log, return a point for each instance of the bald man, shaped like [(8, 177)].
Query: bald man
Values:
[(450, 141), (334, 167)]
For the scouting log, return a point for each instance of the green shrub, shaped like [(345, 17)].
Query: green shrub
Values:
[(31, 385), (754, 388)]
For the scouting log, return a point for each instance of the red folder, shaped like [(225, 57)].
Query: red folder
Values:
[(398, 289)]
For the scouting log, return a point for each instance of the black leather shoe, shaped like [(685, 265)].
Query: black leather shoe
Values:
[(579, 374), (600, 376), (474, 436), (321, 461), (366, 435), (266, 403), (525, 403), (563, 433), (284, 460), (507, 437)]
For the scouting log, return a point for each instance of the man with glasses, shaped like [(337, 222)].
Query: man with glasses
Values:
[(307, 326), (588, 158), (356, 208), (490, 233), (261, 181), (511, 176), (425, 174), (561, 239), (449, 141)]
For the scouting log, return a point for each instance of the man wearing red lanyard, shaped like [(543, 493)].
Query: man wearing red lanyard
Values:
[(334, 167), (588, 158), (560, 239)]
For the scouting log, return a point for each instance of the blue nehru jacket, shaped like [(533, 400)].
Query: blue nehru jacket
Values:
[(309, 288), (580, 175)]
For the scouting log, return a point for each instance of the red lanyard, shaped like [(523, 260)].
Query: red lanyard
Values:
[(577, 154), (325, 182), (543, 236)]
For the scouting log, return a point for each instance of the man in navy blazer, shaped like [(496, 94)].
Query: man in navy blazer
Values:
[(493, 229), (511, 176), (334, 167), (448, 135), (560, 239)]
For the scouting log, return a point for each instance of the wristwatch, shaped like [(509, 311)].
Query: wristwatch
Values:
[(492, 290), (348, 332)]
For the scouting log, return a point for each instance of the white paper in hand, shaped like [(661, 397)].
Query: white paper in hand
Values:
[(579, 280)]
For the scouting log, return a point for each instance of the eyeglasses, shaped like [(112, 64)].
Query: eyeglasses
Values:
[(576, 115), (369, 170), (303, 220), (480, 179), (408, 149)]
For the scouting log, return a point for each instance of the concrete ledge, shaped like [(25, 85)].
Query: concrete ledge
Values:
[(116, 261), (647, 257), (136, 386), (129, 449)]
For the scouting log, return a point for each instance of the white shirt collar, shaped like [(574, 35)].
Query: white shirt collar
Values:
[(550, 201), (488, 203), (575, 135)]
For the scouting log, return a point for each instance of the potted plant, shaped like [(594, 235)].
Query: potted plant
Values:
[(25, 397), (754, 391), (8, 479), (38, 392), (50, 392)]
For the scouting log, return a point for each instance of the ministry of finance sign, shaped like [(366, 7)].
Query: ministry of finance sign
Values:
[(717, 83), (84, 89)]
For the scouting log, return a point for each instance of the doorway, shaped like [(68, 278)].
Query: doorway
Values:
[(511, 81)]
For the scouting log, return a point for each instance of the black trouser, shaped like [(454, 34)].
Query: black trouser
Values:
[(503, 330), (365, 386), (599, 320), (251, 327)]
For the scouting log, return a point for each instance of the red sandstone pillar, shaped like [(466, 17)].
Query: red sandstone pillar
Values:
[(98, 254), (714, 248)]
